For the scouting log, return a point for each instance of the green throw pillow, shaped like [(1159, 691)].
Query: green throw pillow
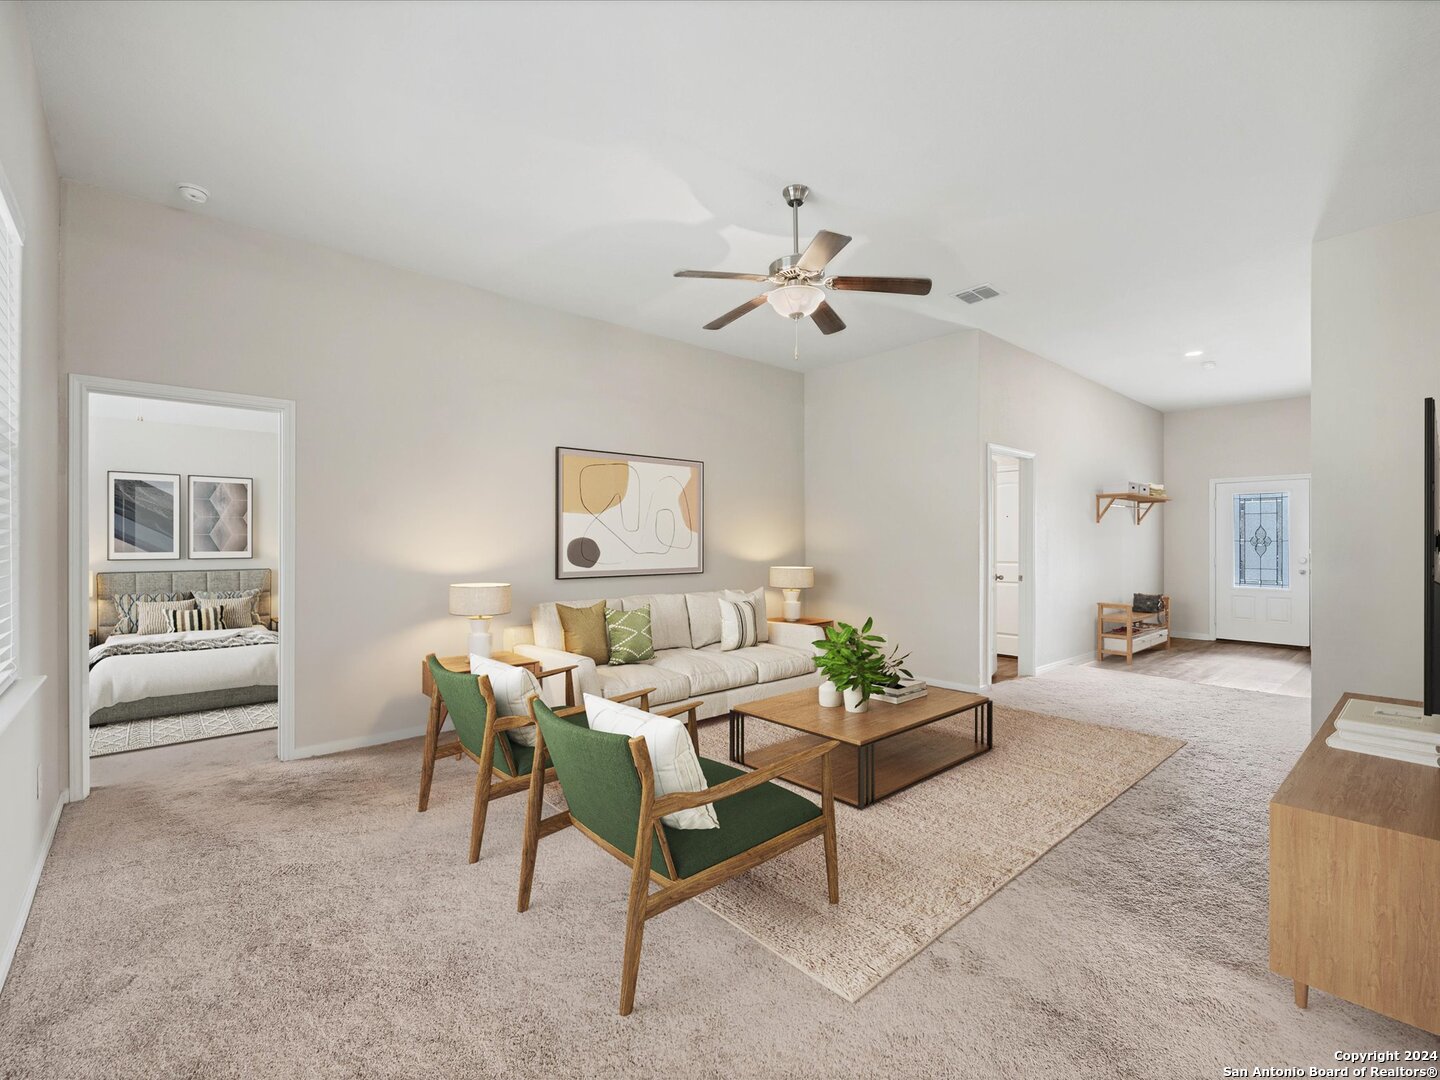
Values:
[(630, 638)]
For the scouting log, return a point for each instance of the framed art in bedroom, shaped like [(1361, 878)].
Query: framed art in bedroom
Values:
[(624, 515), (144, 515), (220, 519)]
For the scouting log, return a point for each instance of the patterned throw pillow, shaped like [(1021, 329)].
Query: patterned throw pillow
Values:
[(125, 607), (737, 625), (757, 601), (239, 605), (207, 617), (629, 634), (150, 616)]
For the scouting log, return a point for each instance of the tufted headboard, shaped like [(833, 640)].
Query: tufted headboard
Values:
[(176, 581)]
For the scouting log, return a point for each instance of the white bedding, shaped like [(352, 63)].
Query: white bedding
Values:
[(118, 679)]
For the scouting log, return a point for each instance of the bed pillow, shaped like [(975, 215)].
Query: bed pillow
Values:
[(737, 624), (585, 631), (511, 686), (629, 635), (150, 615), (205, 617), (672, 755), (757, 601), (239, 610), (125, 607)]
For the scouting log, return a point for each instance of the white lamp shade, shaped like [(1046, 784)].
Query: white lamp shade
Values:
[(480, 599), (796, 301), (792, 577)]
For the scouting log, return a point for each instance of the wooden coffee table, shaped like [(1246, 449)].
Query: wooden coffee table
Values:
[(882, 751)]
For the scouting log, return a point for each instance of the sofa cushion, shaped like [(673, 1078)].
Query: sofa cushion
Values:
[(669, 618), (703, 609), (707, 671), (746, 821), (737, 622), (629, 635), (585, 631), (775, 662), (762, 612), (668, 685)]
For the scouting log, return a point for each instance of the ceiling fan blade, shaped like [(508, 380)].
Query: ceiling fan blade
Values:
[(730, 316), (826, 319), (913, 286), (723, 275), (822, 249)]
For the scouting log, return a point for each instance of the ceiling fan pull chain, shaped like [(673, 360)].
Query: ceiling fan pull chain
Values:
[(797, 341)]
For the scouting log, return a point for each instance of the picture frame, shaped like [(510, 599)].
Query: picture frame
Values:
[(627, 515), (222, 517), (144, 515)]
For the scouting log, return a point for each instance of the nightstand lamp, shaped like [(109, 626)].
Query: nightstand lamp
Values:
[(480, 601), (790, 580)]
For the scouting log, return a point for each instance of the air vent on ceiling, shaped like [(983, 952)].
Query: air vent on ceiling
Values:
[(978, 293)]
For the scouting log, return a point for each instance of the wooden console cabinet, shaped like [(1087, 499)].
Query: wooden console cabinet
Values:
[(1355, 880)]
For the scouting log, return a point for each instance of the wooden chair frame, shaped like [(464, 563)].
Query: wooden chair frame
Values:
[(643, 904)]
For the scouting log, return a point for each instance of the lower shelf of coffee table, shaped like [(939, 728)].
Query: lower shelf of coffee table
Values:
[(900, 761)]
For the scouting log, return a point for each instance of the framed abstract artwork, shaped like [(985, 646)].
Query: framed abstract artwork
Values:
[(220, 526), (144, 515), (626, 515)]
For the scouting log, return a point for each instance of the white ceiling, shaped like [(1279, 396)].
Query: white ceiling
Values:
[(1139, 179)]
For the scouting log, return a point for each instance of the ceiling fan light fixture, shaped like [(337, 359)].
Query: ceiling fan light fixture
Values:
[(796, 301)]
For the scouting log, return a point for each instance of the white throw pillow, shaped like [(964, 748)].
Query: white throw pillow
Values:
[(737, 624), (511, 686), (703, 610), (672, 755), (756, 598)]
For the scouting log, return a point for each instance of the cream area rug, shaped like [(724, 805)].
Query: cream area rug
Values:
[(915, 864), (187, 727)]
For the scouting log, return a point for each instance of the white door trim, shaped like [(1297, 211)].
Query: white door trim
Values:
[(1026, 659), (1214, 569), (81, 387)]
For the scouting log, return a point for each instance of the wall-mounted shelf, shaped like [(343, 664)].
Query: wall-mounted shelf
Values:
[(1141, 504)]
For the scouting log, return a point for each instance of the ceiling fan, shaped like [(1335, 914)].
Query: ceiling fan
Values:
[(798, 277)]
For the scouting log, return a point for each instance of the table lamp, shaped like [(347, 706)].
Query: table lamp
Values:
[(790, 580), (480, 601)]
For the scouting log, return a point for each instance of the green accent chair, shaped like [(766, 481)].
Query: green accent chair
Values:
[(484, 737), (610, 788)]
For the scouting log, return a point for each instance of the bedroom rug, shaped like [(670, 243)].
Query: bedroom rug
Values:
[(187, 727), (915, 864)]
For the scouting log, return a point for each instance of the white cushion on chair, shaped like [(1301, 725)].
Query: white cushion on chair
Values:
[(511, 686), (672, 755)]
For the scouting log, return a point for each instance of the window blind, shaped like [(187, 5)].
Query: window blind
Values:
[(9, 442)]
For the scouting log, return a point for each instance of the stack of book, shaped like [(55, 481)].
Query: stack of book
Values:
[(1392, 731), (908, 690)]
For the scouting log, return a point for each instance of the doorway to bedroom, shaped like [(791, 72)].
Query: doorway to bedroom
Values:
[(180, 526)]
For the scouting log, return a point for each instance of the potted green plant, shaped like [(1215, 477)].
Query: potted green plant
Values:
[(855, 662)]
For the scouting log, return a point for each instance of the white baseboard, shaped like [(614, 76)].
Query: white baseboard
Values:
[(14, 942), (1192, 635), (946, 685), (359, 742), (1071, 661)]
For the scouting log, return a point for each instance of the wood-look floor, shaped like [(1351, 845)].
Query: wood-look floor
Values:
[(1006, 667), (1243, 665)]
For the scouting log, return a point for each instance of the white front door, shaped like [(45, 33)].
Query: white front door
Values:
[(1005, 577), (1262, 561)]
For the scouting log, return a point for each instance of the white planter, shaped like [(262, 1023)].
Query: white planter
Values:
[(856, 702), (829, 696)]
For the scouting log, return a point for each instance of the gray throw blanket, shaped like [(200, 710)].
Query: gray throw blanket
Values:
[(252, 636)]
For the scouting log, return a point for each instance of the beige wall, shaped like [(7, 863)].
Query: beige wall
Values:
[(1084, 438), (189, 450), (891, 481), (33, 744), (1375, 358), (428, 416), (1228, 442)]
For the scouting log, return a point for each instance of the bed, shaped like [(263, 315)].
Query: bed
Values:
[(141, 676)]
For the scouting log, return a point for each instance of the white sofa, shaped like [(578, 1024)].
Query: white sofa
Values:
[(680, 671)]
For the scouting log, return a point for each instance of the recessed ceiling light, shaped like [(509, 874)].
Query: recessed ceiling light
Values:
[(1208, 365), (193, 193), (1194, 354)]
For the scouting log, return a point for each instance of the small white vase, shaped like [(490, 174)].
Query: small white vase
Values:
[(829, 696), (856, 701)]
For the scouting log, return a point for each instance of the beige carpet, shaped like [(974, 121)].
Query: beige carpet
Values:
[(211, 913), (186, 727), (915, 864)]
